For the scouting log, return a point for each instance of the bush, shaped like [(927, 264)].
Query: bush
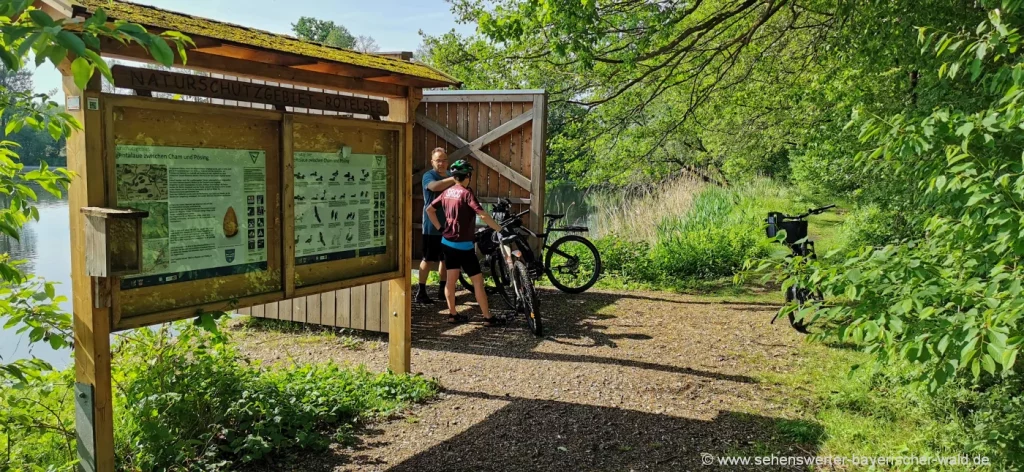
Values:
[(200, 405), (626, 259), (712, 240), (869, 225), (37, 423), (192, 402), (700, 235)]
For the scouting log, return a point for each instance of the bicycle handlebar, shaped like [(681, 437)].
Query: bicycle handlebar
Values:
[(513, 219), (812, 211)]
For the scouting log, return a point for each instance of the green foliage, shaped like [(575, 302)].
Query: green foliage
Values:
[(626, 259), (190, 401), (947, 300), (201, 406), (37, 423), (869, 225), (324, 32), (29, 304), (710, 239)]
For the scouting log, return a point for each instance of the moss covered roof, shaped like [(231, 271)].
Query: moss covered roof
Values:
[(191, 25)]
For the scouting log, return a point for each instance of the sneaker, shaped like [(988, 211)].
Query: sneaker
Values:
[(422, 297)]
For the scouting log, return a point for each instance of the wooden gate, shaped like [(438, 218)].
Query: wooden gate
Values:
[(501, 133)]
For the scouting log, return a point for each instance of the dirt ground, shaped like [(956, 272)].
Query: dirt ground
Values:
[(621, 381)]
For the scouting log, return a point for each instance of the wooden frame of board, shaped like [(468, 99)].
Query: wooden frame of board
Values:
[(140, 121)]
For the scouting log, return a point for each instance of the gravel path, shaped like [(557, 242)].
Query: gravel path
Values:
[(622, 381)]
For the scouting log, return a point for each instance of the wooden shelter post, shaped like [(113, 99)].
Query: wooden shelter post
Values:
[(91, 309), (400, 295)]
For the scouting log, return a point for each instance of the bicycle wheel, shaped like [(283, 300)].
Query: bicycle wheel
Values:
[(501, 279), (498, 282), (573, 264), (529, 302), (801, 296), (465, 282)]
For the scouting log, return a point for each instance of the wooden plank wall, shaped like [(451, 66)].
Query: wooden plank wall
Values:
[(469, 115)]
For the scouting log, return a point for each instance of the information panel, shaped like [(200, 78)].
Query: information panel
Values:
[(339, 206), (207, 211)]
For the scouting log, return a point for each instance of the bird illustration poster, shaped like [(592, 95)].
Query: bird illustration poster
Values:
[(203, 204), (339, 206)]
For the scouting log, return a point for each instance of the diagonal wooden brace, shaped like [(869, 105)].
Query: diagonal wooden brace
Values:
[(464, 148)]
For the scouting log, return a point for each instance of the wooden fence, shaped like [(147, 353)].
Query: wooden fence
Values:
[(501, 133)]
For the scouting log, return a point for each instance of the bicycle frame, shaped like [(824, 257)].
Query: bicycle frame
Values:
[(543, 237)]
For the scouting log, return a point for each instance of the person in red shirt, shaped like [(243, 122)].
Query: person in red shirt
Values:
[(460, 211)]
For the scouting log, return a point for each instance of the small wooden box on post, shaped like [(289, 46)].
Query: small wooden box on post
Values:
[(276, 169)]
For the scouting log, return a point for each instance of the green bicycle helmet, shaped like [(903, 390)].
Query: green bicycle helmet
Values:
[(460, 168)]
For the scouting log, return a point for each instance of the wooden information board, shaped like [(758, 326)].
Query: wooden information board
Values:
[(247, 206)]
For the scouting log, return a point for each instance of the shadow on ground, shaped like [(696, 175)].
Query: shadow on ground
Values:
[(544, 435), (568, 319)]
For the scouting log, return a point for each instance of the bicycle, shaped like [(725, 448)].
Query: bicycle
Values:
[(572, 263), (796, 239), (501, 253)]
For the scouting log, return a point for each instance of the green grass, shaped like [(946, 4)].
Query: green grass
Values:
[(863, 412), (307, 333)]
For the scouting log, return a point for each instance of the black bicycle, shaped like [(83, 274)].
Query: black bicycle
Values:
[(796, 239), (572, 263)]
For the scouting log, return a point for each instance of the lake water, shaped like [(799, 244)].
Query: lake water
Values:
[(46, 246)]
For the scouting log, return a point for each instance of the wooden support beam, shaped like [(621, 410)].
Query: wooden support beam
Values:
[(466, 96), (342, 69), (539, 161), (57, 9), (257, 70), (500, 131), (399, 311), (465, 148), (92, 320), (288, 203), (257, 55)]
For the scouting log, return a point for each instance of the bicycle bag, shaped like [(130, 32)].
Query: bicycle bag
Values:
[(795, 230)]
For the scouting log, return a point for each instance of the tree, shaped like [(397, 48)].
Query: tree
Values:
[(324, 32), (743, 86), (366, 44), (26, 303), (946, 303), (19, 81)]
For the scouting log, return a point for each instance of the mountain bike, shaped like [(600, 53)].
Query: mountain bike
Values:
[(509, 272), (799, 245), (572, 263)]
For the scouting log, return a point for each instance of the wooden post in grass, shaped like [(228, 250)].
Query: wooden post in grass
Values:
[(94, 415), (400, 295)]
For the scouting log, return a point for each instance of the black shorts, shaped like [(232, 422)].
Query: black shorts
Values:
[(460, 259), (432, 248)]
